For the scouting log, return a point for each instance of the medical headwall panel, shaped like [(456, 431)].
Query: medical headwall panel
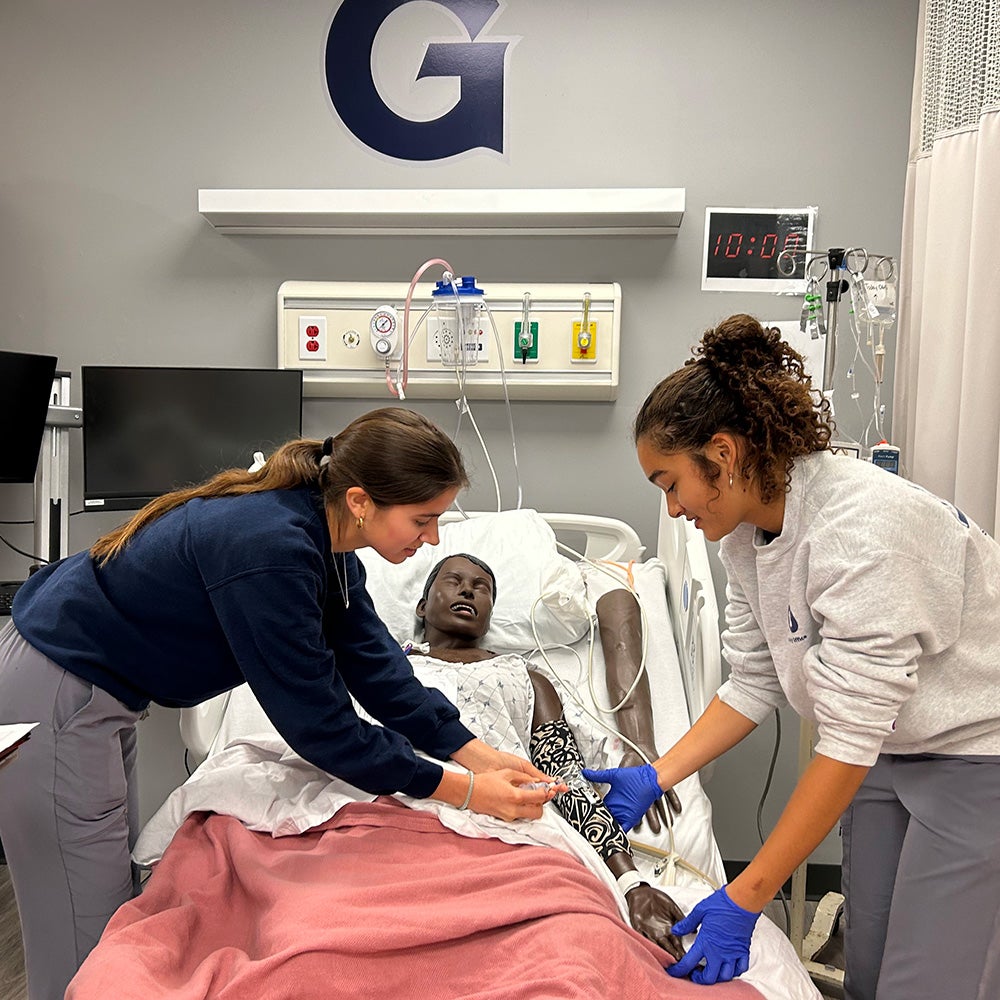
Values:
[(537, 341)]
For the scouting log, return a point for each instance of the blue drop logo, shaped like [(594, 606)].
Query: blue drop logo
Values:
[(793, 625)]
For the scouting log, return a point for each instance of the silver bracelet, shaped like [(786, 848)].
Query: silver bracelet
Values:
[(468, 794)]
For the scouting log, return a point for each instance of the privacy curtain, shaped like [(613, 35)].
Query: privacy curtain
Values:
[(947, 381)]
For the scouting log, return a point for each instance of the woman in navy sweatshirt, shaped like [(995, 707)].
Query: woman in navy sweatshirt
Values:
[(252, 577)]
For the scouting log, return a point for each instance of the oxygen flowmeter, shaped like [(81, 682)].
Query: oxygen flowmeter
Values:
[(384, 329)]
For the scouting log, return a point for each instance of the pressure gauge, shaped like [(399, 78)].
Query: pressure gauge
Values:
[(384, 329), (384, 322)]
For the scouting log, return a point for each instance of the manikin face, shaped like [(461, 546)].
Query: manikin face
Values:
[(459, 603), (396, 532), (715, 507)]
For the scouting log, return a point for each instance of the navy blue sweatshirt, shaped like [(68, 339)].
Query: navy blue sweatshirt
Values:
[(229, 589)]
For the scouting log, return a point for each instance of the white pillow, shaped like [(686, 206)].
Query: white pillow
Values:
[(520, 547)]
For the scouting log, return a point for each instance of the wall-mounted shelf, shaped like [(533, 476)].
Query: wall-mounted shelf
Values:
[(466, 212)]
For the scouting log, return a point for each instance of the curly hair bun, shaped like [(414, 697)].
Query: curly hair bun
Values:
[(741, 342), (741, 352)]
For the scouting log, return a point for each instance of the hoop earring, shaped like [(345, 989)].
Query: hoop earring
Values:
[(360, 523)]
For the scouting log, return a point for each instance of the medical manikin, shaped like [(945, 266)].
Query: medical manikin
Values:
[(503, 700)]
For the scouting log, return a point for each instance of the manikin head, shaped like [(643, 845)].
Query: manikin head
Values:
[(457, 602)]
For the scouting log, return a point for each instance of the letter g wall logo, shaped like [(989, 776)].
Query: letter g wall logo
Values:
[(476, 120)]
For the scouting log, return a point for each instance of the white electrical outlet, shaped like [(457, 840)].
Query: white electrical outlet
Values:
[(441, 340), (312, 338)]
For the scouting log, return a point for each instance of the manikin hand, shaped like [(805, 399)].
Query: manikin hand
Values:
[(652, 913), (657, 813)]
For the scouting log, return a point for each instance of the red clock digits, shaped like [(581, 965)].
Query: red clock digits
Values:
[(767, 252), (792, 241)]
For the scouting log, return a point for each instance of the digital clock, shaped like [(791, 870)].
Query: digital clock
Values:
[(742, 247)]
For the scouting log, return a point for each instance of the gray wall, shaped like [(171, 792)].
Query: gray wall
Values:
[(117, 111)]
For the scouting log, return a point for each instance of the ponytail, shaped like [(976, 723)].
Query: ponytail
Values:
[(395, 455), (294, 464)]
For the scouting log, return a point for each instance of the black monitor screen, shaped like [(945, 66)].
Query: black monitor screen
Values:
[(147, 431), (25, 392)]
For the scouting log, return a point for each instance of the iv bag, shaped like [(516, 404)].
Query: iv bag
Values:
[(864, 308), (882, 294)]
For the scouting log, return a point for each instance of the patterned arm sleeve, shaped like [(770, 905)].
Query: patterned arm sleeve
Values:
[(554, 751)]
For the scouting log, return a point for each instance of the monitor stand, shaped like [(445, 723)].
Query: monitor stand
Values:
[(52, 477)]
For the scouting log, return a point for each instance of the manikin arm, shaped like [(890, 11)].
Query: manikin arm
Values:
[(554, 749), (620, 624)]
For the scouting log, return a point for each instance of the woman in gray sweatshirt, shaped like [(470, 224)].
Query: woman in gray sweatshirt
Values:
[(870, 606)]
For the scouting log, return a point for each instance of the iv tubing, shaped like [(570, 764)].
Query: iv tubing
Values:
[(405, 366), (463, 403), (678, 860)]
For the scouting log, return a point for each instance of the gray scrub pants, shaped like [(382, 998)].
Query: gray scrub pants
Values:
[(922, 880), (68, 811)]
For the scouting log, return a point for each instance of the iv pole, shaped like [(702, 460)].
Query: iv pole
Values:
[(835, 287)]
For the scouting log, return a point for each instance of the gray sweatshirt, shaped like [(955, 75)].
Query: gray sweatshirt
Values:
[(875, 613)]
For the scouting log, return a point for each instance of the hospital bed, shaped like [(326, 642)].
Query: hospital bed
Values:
[(273, 879)]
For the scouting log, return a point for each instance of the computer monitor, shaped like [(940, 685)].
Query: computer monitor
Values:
[(147, 431), (25, 392)]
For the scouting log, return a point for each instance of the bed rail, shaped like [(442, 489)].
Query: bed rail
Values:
[(606, 537), (694, 611)]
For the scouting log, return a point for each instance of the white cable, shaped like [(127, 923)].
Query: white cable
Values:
[(489, 461), (860, 354), (463, 407), (506, 396), (590, 658), (420, 323), (644, 632), (620, 576), (463, 401)]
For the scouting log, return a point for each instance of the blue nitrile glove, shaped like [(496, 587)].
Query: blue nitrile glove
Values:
[(633, 791), (723, 941)]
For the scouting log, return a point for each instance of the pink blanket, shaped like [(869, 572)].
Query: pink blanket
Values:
[(380, 901)]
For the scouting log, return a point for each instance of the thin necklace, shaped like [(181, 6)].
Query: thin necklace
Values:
[(342, 582)]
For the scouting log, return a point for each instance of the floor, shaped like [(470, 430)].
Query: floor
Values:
[(12, 983), (831, 954)]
